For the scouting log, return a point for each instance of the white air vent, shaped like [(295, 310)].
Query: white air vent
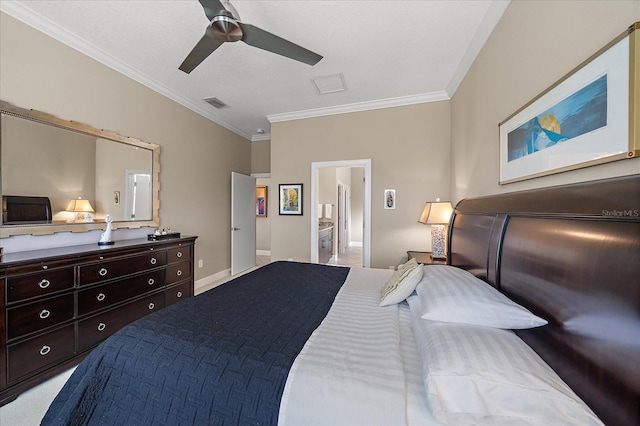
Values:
[(329, 83), (216, 103)]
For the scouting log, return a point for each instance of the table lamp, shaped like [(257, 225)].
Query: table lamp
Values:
[(81, 208), (437, 214)]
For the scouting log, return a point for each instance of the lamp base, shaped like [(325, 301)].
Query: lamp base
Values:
[(438, 242)]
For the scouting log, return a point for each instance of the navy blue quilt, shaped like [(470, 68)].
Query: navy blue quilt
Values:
[(218, 358)]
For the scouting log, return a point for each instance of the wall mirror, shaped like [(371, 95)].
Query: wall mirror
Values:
[(60, 175)]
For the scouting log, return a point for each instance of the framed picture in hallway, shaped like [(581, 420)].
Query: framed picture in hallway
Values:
[(261, 201), (290, 196)]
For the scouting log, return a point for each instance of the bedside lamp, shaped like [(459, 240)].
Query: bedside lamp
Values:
[(437, 214), (81, 208)]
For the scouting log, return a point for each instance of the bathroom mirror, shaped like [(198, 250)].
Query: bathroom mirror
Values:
[(47, 158)]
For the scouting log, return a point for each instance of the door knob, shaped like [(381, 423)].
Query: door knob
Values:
[(235, 229)]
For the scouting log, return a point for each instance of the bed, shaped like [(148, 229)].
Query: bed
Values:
[(295, 343)]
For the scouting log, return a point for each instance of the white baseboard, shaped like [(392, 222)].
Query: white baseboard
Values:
[(207, 283), (355, 244), (263, 252)]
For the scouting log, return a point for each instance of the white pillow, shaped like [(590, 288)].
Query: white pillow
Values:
[(477, 375), (450, 294), (401, 284)]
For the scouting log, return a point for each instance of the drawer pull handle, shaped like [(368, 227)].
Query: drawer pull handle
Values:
[(45, 267), (178, 272), (102, 326), (44, 314), (153, 260), (151, 281), (45, 350), (179, 294), (103, 272), (101, 297), (179, 254), (44, 283), (151, 306)]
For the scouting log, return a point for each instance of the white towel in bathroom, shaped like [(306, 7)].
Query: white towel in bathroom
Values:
[(327, 211)]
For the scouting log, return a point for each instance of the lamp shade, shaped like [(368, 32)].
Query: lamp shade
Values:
[(79, 205), (436, 213)]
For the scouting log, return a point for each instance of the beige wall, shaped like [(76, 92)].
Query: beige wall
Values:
[(534, 45), (197, 156), (409, 151), (261, 156)]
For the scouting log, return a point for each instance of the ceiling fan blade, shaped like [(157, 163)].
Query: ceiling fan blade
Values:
[(207, 44), (211, 8), (262, 39)]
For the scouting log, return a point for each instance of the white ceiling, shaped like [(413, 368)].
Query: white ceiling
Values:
[(389, 53)]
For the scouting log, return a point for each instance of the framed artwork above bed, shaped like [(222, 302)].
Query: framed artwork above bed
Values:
[(586, 118)]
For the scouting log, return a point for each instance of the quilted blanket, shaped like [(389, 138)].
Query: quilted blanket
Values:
[(219, 358)]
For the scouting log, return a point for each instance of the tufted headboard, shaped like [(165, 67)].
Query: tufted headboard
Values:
[(570, 254)]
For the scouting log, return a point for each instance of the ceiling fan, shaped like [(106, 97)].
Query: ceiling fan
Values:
[(225, 26)]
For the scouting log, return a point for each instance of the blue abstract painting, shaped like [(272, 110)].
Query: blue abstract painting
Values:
[(578, 114)]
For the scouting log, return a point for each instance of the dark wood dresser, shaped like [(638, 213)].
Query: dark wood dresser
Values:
[(58, 304)]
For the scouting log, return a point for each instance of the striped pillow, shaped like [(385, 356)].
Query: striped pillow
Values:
[(477, 375), (450, 294), (401, 284)]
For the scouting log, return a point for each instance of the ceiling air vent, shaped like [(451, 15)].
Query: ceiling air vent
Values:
[(216, 103), (329, 83)]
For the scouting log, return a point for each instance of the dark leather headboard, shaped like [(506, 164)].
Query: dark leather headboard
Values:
[(570, 254), (20, 210)]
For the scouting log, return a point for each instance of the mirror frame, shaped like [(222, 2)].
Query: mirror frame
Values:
[(52, 228)]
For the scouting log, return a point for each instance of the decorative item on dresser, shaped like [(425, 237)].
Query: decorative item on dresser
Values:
[(58, 304)]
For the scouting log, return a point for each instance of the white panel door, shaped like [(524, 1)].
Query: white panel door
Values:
[(243, 222)]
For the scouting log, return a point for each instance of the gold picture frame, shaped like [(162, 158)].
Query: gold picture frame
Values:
[(588, 117)]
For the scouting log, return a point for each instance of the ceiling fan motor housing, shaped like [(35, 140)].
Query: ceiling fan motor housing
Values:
[(225, 27)]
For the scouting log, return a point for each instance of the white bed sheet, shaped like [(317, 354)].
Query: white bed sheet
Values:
[(361, 366)]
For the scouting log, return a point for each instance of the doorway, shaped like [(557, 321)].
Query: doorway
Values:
[(316, 167)]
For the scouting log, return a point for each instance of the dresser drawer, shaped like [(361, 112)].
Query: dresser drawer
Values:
[(178, 272), (36, 316), (41, 351), (40, 284), (177, 293), (93, 330), (108, 270), (103, 296), (177, 254)]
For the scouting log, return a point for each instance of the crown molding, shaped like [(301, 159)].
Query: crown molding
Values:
[(360, 106), (262, 137), (46, 26)]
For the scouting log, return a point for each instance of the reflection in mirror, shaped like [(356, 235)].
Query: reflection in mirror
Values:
[(55, 161)]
